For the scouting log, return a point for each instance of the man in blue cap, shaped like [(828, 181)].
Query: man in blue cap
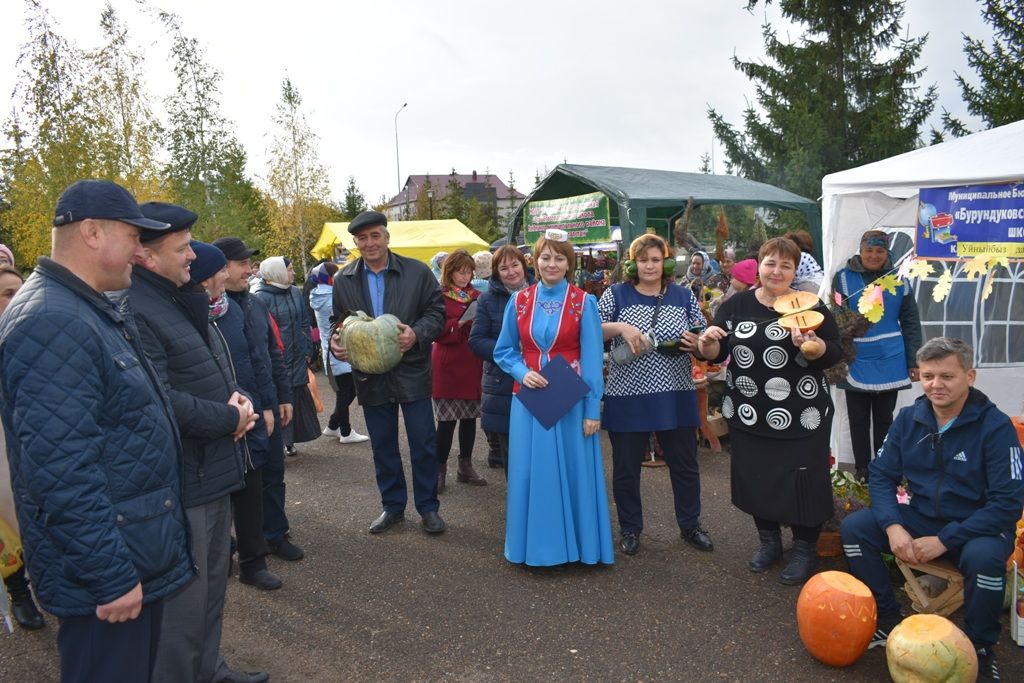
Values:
[(213, 417), (380, 282), (93, 445)]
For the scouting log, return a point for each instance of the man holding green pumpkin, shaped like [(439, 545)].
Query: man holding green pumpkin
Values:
[(379, 283)]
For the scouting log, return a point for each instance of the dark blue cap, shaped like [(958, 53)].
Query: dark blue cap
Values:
[(178, 217), (367, 219), (104, 200), (209, 260)]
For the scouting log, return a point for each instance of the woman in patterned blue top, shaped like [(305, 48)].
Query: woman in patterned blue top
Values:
[(655, 391)]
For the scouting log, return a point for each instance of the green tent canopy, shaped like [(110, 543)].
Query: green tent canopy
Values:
[(644, 197)]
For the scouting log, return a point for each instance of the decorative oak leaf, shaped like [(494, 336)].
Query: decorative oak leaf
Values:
[(943, 286), (875, 313), (977, 266), (921, 268), (999, 261), (904, 270), (989, 284), (888, 282), (867, 299)]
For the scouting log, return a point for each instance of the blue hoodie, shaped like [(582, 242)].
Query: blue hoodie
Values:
[(970, 476), (320, 299)]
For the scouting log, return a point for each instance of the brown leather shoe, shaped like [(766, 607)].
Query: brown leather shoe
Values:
[(467, 475), (442, 476)]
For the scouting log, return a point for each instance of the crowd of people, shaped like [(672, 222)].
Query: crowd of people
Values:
[(152, 388)]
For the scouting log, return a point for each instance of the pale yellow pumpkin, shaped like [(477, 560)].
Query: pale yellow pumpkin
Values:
[(927, 648), (372, 343)]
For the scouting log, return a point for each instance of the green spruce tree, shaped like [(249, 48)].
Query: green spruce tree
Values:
[(453, 204), (843, 95), (354, 202), (998, 97)]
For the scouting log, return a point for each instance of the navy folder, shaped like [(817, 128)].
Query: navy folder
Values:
[(564, 390)]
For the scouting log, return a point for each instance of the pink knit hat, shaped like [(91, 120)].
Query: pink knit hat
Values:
[(745, 271), (6, 251)]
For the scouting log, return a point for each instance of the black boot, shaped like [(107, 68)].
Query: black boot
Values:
[(769, 553), (23, 607), (802, 563)]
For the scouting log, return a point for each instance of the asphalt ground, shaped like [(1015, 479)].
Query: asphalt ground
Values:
[(405, 606)]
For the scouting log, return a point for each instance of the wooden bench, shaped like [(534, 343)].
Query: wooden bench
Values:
[(947, 601)]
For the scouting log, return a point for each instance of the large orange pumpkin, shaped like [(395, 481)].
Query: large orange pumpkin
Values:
[(836, 615), (927, 647)]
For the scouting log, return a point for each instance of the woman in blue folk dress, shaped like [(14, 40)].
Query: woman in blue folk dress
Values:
[(557, 504)]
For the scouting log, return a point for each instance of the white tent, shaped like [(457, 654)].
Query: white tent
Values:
[(884, 195)]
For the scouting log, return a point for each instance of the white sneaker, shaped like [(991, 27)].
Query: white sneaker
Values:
[(353, 437), (331, 432)]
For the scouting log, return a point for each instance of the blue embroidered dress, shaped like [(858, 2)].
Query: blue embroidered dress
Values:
[(557, 508)]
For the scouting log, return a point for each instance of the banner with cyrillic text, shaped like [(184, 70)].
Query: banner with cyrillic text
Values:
[(584, 217), (966, 221)]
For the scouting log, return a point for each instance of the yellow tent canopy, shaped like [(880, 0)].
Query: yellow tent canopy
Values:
[(417, 239)]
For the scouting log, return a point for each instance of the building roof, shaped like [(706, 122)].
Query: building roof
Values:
[(473, 184)]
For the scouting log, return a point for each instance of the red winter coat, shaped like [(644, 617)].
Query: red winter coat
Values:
[(456, 369)]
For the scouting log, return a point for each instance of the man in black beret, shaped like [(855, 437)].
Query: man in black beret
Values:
[(380, 282), (213, 415)]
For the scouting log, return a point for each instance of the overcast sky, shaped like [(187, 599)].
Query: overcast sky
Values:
[(515, 86)]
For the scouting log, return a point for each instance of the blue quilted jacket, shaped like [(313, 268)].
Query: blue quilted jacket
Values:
[(94, 452)]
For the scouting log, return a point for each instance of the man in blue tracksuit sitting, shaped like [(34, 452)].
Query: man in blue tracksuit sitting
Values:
[(962, 460)]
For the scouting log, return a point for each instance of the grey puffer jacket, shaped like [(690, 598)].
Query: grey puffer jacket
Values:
[(411, 294)]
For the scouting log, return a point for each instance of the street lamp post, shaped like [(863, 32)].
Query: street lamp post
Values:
[(398, 170), (430, 197)]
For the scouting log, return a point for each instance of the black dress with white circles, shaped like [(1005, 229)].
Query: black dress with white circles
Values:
[(779, 411), (772, 389)]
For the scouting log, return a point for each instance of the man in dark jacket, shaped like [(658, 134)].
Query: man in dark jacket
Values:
[(274, 383), (382, 282), (93, 445), (212, 416), (962, 460)]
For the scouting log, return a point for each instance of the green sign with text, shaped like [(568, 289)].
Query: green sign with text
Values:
[(584, 217)]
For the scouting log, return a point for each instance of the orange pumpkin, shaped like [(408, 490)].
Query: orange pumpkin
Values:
[(836, 616)]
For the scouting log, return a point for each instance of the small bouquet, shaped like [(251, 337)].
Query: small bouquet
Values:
[(849, 494)]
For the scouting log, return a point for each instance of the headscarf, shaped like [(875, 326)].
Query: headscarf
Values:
[(323, 274), (6, 251), (706, 270), (274, 271)]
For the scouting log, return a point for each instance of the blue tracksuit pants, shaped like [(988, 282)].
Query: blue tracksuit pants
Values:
[(981, 560)]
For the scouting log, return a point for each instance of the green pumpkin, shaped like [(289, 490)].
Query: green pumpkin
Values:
[(372, 343)]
